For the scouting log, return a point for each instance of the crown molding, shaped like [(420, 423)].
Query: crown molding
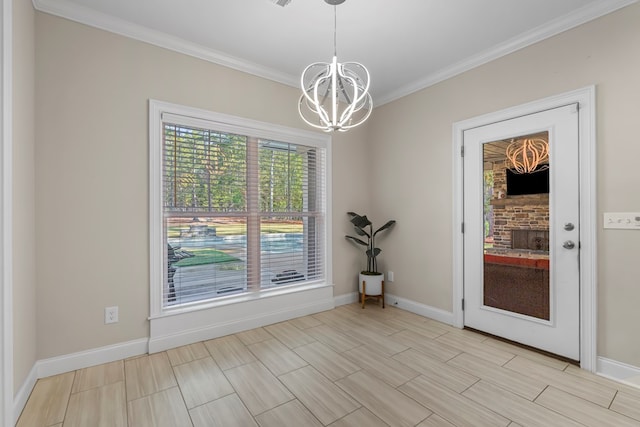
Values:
[(72, 11), (550, 29), (87, 16)]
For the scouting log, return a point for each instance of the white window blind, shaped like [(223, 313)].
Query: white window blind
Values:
[(242, 211)]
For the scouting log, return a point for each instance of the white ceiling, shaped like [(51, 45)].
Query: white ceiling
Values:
[(406, 44)]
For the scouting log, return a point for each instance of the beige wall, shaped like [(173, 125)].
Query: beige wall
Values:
[(24, 272), (92, 89), (412, 138), (91, 222)]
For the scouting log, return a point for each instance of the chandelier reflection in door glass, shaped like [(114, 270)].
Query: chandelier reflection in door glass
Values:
[(516, 217)]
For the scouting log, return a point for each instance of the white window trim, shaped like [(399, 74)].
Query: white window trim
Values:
[(232, 124)]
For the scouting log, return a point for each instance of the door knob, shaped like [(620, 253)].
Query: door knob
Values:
[(569, 226), (568, 244)]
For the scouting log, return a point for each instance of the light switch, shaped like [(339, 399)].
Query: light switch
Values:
[(622, 220)]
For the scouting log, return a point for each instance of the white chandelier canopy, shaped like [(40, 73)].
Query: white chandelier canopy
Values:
[(335, 96)]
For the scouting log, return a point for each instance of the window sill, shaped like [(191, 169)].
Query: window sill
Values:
[(239, 299), (187, 325)]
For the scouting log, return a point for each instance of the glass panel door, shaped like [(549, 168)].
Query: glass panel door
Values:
[(516, 225), (521, 230)]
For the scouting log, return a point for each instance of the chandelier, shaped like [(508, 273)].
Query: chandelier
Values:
[(335, 96), (527, 155)]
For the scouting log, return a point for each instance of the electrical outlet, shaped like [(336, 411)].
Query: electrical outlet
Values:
[(110, 315)]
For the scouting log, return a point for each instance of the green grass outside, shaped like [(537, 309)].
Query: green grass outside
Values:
[(240, 229), (205, 256)]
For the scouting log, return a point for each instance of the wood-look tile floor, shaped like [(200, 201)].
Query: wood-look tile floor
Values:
[(340, 368)]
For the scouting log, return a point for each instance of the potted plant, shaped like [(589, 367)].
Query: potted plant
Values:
[(364, 227)]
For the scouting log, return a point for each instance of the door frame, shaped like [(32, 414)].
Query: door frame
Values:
[(6, 239), (585, 98)]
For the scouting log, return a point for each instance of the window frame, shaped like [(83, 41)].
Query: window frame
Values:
[(159, 112)]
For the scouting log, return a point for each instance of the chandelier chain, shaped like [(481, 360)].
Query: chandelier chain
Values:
[(335, 31)]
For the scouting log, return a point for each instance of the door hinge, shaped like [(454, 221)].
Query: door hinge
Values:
[(462, 151), (462, 304), (462, 228)]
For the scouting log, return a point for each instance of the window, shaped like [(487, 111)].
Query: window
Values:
[(240, 207)]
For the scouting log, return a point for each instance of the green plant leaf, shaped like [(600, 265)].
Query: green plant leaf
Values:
[(375, 253), (360, 221), (361, 232), (384, 227), (356, 240)]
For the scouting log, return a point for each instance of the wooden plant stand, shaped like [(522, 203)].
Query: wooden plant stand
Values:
[(364, 295)]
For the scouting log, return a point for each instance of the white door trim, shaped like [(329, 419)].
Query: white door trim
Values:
[(6, 206), (587, 159)]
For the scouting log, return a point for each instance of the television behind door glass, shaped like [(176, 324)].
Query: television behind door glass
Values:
[(527, 183)]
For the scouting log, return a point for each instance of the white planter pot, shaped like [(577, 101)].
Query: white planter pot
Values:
[(373, 283)]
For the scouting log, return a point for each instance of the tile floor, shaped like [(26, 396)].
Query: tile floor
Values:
[(340, 368)]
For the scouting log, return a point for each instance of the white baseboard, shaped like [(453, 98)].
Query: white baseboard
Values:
[(168, 341), (345, 299), (421, 309), (21, 397), (404, 304), (71, 362), (622, 372), (185, 328), (84, 359), (96, 356), (612, 369)]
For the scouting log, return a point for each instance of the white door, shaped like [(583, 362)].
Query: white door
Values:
[(521, 230)]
